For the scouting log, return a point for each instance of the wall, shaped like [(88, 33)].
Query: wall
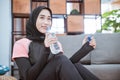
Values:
[(5, 32)]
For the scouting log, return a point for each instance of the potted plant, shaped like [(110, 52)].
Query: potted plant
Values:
[(74, 12), (111, 21)]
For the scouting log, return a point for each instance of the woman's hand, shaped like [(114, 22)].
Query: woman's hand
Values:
[(49, 40), (91, 43)]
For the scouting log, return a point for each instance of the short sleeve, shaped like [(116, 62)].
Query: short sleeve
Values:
[(21, 48)]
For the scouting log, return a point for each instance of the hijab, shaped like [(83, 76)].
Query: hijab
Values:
[(31, 31)]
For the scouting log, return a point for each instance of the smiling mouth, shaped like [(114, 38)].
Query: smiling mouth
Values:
[(44, 27)]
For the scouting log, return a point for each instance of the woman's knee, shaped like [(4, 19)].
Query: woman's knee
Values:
[(60, 59)]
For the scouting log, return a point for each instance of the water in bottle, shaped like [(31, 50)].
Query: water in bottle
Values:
[(55, 49)]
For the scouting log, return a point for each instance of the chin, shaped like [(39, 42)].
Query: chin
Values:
[(43, 31)]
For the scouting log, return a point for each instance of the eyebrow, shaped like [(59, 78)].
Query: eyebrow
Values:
[(44, 15)]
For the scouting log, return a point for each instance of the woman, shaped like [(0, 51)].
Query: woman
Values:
[(34, 59)]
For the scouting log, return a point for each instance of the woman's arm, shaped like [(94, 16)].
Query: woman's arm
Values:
[(23, 66), (20, 56), (84, 50), (29, 72)]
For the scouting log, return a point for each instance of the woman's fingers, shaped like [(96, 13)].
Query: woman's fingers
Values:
[(93, 42), (84, 40), (49, 40)]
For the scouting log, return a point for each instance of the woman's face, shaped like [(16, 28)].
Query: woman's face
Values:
[(43, 21)]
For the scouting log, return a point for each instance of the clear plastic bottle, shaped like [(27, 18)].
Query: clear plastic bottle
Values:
[(55, 49)]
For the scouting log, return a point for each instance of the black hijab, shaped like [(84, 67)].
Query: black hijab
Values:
[(31, 31)]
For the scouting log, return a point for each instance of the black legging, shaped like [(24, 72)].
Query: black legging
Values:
[(85, 73), (60, 68)]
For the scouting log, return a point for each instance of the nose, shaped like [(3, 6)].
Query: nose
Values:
[(46, 21)]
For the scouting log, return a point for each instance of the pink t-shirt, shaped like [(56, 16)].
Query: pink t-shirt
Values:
[(21, 48)]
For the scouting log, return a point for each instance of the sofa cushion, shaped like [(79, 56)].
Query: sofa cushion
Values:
[(86, 59), (107, 49), (105, 71), (71, 44)]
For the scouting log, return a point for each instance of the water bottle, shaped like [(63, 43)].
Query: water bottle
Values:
[(3, 69), (55, 49)]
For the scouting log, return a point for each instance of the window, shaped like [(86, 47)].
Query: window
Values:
[(58, 24), (92, 23)]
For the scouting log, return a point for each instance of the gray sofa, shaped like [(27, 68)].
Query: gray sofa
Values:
[(104, 60)]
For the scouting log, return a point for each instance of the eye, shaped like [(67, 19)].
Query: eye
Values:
[(41, 17), (49, 18)]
